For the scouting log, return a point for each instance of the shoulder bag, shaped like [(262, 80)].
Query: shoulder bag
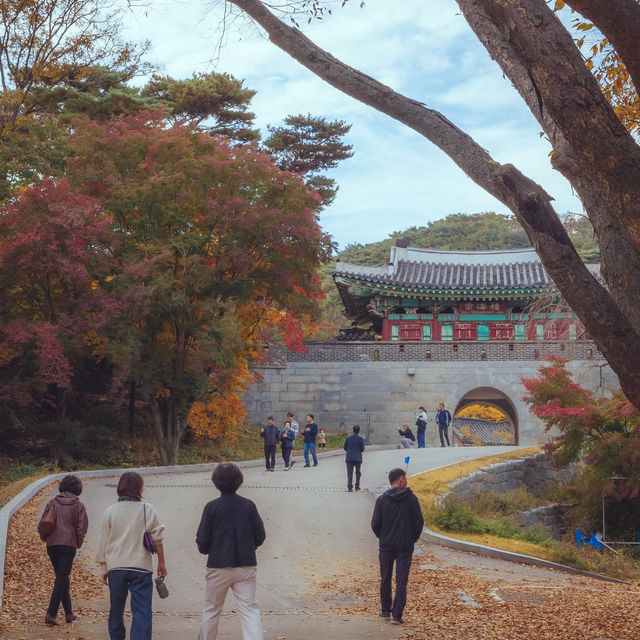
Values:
[(47, 524), (147, 540)]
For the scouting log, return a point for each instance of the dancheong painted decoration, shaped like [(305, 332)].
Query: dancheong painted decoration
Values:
[(432, 295)]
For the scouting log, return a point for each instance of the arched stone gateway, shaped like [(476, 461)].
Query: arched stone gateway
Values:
[(432, 326), (492, 398), (382, 384)]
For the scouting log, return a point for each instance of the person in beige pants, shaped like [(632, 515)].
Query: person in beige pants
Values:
[(230, 531)]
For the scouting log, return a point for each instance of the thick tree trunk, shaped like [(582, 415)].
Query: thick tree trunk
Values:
[(132, 408), (167, 428), (619, 21), (619, 259), (597, 154)]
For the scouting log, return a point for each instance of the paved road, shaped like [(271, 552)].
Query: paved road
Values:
[(315, 530)]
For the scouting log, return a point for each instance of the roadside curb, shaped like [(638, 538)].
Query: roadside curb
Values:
[(37, 485), (432, 537)]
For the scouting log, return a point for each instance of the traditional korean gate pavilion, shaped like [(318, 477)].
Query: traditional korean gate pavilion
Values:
[(459, 327), (431, 295)]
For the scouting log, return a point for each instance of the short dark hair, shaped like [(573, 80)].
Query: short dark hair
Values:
[(422, 408), (130, 484), (227, 477), (290, 414), (394, 474), (310, 416), (356, 428), (270, 418), (72, 484)]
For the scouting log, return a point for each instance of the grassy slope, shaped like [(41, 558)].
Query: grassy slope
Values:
[(427, 486)]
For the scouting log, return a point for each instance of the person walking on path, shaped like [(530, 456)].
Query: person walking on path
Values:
[(71, 528), (421, 425), (126, 563), (230, 531), (271, 435), (407, 436), (294, 423), (286, 445), (397, 522), (354, 446), (310, 433), (443, 419)]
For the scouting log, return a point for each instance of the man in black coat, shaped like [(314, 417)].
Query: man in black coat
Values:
[(230, 531), (354, 446), (271, 437), (397, 521)]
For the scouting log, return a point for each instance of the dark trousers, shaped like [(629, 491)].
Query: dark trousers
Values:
[(270, 455), (421, 440), (443, 430), (286, 455), (402, 560), (351, 465), (61, 556)]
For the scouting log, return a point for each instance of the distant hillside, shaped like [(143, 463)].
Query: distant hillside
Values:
[(470, 232)]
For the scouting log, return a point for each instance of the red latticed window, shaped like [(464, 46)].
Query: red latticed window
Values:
[(465, 331), (556, 330), (410, 331), (501, 331)]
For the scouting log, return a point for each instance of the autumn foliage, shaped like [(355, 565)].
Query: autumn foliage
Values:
[(599, 432), (165, 258)]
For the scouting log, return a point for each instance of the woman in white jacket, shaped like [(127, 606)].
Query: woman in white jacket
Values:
[(126, 564)]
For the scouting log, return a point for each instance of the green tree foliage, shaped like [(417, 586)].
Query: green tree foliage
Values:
[(600, 432), (215, 243), (458, 231), (217, 102), (582, 235), (308, 145), (48, 48)]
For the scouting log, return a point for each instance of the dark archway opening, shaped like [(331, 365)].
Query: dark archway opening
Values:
[(470, 426)]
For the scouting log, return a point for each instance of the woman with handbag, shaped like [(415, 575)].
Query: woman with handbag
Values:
[(130, 533), (63, 526)]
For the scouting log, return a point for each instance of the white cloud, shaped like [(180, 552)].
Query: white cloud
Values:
[(422, 48)]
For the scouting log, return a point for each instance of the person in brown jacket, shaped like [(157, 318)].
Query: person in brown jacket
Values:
[(68, 536)]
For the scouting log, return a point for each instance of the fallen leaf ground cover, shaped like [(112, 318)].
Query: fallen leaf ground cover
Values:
[(28, 579), (453, 602)]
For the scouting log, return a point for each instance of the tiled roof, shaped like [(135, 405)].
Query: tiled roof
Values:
[(447, 270)]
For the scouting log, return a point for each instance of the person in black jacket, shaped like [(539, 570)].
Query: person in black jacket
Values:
[(271, 437), (354, 446), (397, 522), (407, 436), (230, 531)]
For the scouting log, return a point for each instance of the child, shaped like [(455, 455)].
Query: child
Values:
[(322, 439)]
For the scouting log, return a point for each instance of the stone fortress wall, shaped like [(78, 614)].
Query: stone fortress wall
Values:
[(381, 384)]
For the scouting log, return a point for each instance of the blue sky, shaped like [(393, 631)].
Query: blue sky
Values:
[(422, 48)]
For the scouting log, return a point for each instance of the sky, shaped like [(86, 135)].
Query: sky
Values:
[(422, 48)]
